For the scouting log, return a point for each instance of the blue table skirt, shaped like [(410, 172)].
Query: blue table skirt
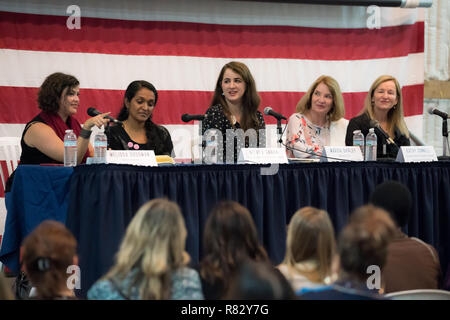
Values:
[(103, 199)]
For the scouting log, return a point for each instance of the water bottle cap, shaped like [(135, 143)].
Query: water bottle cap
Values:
[(372, 130), (356, 131), (69, 130)]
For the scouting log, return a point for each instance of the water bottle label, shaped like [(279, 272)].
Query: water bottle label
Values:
[(70, 143), (100, 144)]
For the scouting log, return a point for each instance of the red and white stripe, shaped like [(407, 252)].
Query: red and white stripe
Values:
[(180, 46)]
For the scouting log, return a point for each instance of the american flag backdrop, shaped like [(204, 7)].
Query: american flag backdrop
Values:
[(180, 47)]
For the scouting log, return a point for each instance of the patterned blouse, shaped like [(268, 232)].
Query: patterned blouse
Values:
[(186, 285), (305, 138), (216, 118)]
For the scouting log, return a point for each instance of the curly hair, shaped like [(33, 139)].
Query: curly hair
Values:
[(50, 92)]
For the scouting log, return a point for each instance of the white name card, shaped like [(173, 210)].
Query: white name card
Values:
[(416, 154), (262, 155), (135, 157), (336, 154)]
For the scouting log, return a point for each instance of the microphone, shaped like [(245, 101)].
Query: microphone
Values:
[(94, 112), (189, 117), (435, 111), (375, 124), (268, 111)]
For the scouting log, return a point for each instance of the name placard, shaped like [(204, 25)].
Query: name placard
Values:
[(136, 157), (262, 155), (416, 154), (336, 154)]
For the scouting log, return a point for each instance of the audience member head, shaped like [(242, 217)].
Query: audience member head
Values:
[(385, 95), (364, 242), (311, 238), (138, 93), (327, 88), (395, 198), (230, 237), (235, 85), (153, 246), (259, 281), (48, 251), (57, 91)]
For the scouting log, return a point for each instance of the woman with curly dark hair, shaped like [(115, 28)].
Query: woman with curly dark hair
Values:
[(42, 138)]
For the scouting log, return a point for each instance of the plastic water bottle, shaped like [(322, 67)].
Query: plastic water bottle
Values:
[(100, 144), (211, 150), (371, 145), (70, 149), (358, 140)]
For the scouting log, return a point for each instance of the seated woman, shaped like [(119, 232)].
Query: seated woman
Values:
[(235, 106), (47, 253), (310, 250), (383, 103), (362, 248), (138, 131), (152, 262), (230, 239), (42, 138), (318, 122)]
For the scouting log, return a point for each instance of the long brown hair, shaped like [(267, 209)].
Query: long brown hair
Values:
[(395, 116), (230, 238), (250, 99)]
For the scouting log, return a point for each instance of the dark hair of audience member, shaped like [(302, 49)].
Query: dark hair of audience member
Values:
[(259, 281), (230, 237), (47, 253), (364, 242), (395, 198)]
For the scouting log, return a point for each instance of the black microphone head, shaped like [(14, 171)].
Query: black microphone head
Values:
[(185, 118), (267, 110), (92, 112)]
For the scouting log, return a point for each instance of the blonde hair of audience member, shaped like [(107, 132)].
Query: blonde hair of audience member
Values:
[(311, 245), (230, 238), (364, 242), (337, 111), (48, 251), (395, 118), (154, 243), (5, 289)]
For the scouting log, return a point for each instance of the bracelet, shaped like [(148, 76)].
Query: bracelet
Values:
[(85, 133)]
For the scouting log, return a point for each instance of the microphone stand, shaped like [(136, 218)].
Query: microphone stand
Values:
[(445, 140), (279, 133), (107, 135)]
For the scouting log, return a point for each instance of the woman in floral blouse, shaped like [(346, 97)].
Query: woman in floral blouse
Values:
[(318, 122)]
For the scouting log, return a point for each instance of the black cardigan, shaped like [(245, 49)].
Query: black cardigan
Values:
[(362, 123)]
